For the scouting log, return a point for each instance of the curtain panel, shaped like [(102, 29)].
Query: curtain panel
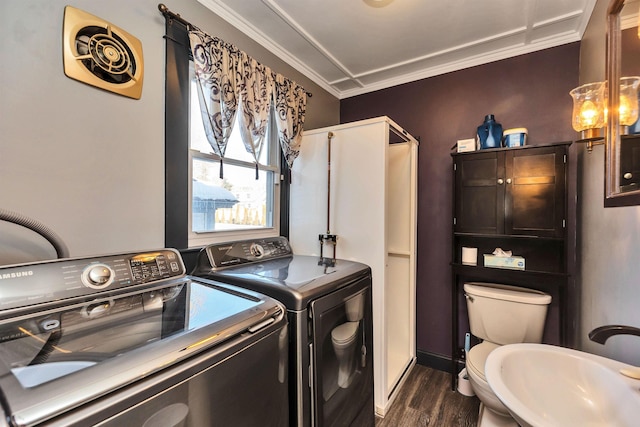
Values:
[(290, 106), (255, 105), (217, 79), (229, 80)]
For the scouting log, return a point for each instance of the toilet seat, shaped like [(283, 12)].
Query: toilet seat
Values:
[(477, 357), (345, 333), (493, 412)]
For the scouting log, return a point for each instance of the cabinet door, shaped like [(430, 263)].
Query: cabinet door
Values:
[(535, 191), (630, 163), (479, 193)]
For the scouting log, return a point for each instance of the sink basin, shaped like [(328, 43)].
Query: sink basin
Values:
[(550, 386)]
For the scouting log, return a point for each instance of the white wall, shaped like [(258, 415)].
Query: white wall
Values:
[(88, 163), (610, 265), (610, 248)]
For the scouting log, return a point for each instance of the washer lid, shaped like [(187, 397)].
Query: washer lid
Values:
[(477, 357), (344, 333), (295, 280), (117, 340), (507, 293)]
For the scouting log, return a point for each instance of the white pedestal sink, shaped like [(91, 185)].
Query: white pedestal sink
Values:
[(550, 386)]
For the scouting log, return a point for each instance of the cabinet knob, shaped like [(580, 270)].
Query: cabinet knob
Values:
[(500, 181), (628, 175), (508, 180)]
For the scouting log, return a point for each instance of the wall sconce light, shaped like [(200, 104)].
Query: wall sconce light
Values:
[(590, 109), (378, 3), (588, 117), (629, 100)]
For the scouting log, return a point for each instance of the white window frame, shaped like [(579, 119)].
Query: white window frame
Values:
[(198, 239)]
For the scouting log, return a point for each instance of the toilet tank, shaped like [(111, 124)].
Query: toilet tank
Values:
[(504, 314)]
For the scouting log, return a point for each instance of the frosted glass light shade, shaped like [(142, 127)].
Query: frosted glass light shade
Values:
[(629, 100), (588, 106)]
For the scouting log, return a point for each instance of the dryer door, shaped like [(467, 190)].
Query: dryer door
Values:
[(343, 356)]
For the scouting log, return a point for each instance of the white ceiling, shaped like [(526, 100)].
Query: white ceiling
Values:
[(349, 48)]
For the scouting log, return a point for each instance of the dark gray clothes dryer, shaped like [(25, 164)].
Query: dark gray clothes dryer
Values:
[(328, 306)]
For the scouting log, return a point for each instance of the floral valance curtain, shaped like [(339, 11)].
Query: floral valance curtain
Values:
[(290, 106), (217, 78), (255, 105), (229, 80)]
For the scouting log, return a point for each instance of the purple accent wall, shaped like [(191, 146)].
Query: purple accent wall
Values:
[(529, 91)]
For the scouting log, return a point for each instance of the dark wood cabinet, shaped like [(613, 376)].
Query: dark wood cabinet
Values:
[(514, 199), (511, 192), (629, 162)]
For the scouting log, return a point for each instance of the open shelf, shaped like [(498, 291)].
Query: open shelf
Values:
[(531, 278), (508, 236), (515, 200)]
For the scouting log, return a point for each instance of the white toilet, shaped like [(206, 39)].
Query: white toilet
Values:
[(345, 336), (499, 315)]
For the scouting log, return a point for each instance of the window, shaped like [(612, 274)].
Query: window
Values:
[(188, 156), (238, 204)]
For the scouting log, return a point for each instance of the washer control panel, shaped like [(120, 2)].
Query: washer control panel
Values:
[(247, 251), (30, 284)]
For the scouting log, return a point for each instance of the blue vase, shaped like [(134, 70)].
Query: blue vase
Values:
[(490, 133)]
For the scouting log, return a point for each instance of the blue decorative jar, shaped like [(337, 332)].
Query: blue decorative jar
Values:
[(490, 133)]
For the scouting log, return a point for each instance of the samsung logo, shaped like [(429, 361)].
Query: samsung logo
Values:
[(16, 274)]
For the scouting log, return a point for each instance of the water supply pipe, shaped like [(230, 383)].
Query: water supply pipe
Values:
[(328, 237)]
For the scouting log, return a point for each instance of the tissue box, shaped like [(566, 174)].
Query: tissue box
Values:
[(512, 262), (465, 145)]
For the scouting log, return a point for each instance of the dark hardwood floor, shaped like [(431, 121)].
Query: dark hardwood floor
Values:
[(426, 399)]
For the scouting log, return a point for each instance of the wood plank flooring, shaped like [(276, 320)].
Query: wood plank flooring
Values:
[(426, 399)]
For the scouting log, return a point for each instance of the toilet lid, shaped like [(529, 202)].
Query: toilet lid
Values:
[(477, 357), (507, 293), (345, 332)]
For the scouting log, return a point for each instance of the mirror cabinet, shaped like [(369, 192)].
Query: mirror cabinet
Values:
[(622, 153)]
